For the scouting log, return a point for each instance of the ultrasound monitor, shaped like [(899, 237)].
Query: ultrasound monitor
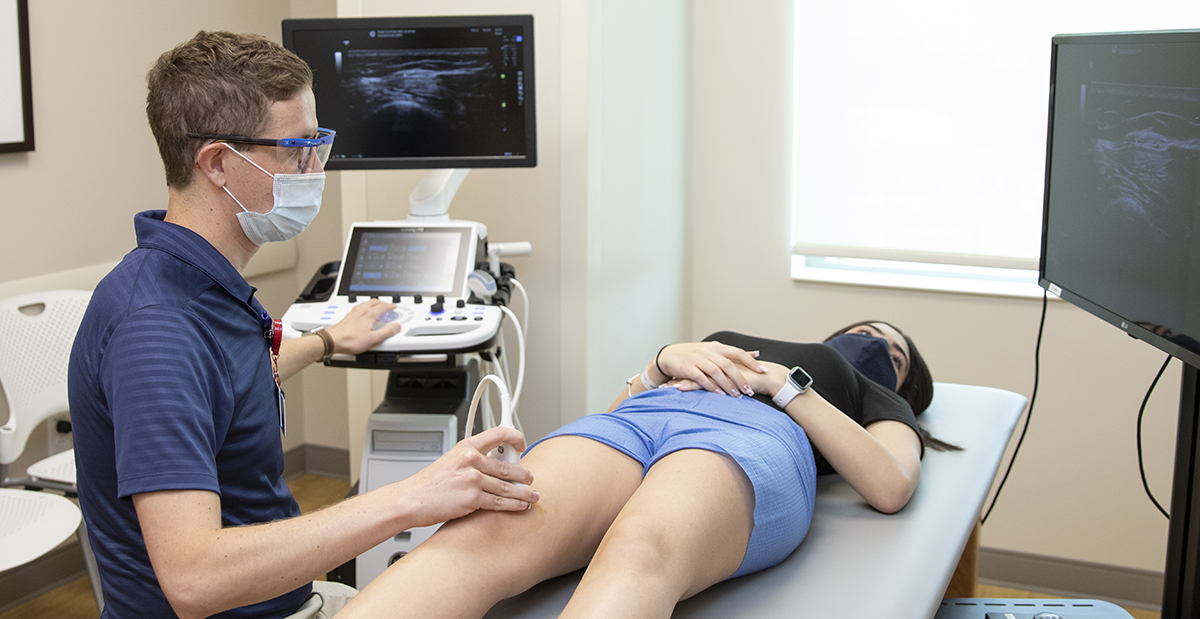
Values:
[(422, 92)]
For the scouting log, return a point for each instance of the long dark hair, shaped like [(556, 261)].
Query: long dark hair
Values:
[(917, 389)]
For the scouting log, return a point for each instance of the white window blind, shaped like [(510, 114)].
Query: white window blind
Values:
[(920, 126)]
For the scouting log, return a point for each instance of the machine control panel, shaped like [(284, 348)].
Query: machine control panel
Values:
[(456, 327), (423, 269)]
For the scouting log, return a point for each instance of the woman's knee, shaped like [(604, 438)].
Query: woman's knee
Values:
[(638, 545)]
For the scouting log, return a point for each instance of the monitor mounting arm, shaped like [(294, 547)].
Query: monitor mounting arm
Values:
[(430, 200)]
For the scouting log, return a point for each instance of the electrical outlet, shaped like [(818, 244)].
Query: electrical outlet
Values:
[(56, 440)]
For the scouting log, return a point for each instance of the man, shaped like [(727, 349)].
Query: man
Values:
[(174, 375)]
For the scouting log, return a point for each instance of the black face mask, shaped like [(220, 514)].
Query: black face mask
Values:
[(869, 355)]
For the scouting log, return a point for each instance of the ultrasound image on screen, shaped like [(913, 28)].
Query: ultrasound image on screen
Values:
[(1125, 183), (1146, 153), (395, 263), (429, 101)]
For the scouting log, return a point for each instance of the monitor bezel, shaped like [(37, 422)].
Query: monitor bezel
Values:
[(1100, 311), (528, 160), (466, 259)]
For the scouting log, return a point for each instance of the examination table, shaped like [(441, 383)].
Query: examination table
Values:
[(857, 562)]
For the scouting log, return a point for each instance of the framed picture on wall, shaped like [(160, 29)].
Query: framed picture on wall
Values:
[(16, 94)]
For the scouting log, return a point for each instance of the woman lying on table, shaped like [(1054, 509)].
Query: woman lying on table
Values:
[(677, 488)]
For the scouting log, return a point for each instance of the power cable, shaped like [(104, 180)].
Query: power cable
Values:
[(1037, 371), (1141, 412)]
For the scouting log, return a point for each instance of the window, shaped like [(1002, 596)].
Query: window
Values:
[(920, 135)]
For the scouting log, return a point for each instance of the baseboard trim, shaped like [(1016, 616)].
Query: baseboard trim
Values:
[(65, 563), (1070, 578), (317, 460), (50, 571)]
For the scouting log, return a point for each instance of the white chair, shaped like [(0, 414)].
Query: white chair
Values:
[(32, 524), (36, 334)]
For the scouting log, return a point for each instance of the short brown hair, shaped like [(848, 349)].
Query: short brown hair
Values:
[(218, 82)]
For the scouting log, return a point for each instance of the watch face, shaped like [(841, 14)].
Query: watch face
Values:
[(800, 378)]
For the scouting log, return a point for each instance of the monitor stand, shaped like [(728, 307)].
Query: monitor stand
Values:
[(1181, 582), (430, 199)]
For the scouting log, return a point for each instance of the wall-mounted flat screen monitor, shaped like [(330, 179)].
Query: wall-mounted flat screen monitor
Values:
[(1121, 227), (422, 92)]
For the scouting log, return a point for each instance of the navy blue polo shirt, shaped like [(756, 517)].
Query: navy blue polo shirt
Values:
[(170, 389)]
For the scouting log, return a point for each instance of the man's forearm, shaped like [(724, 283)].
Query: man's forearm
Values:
[(204, 568), (297, 354)]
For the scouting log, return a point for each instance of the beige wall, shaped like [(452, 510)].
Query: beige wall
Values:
[(96, 163), (1075, 492), (69, 204)]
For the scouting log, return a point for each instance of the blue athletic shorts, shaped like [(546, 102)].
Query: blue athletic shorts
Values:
[(771, 448)]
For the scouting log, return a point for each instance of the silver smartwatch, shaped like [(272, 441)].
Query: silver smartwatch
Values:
[(798, 381)]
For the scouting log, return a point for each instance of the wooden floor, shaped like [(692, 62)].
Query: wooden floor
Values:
[(74, 600)]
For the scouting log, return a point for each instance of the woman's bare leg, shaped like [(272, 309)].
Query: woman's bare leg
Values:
[(472, 563), (683, 530)]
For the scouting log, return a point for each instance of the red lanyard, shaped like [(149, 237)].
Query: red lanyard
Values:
[(276, 340), (273, 332)]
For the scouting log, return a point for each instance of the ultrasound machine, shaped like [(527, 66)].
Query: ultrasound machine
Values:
[(449, 309), (445, 94)]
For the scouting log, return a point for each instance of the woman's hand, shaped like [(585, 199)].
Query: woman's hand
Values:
[(768, 381), (713, 366)]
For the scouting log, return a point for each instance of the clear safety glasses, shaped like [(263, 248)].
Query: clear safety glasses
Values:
[(299, 154)]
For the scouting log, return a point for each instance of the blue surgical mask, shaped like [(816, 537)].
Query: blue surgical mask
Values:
[(297, 202), (869, 355)]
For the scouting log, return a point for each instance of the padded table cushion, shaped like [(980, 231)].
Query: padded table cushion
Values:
[(857, 562)]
